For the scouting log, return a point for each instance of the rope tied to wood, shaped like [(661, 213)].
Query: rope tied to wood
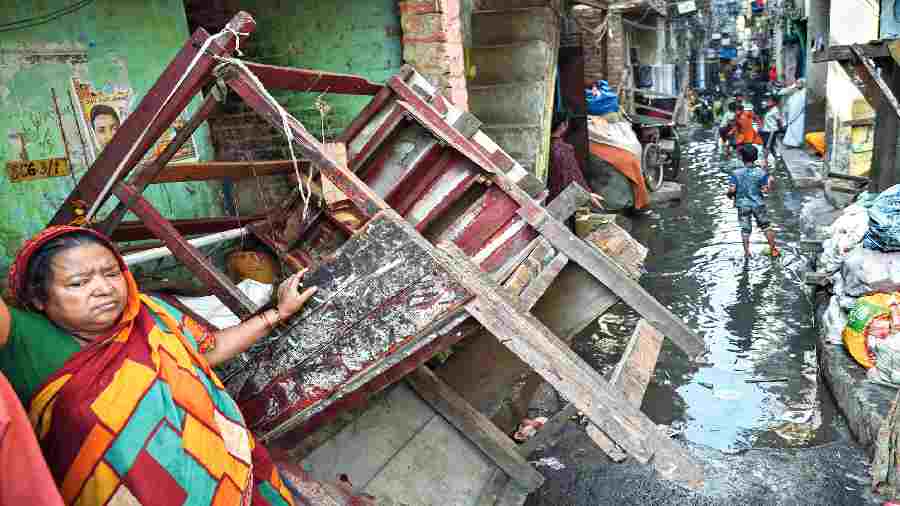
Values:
[(305, 188), (194, 61)]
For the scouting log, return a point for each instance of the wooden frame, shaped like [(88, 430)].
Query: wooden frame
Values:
[(515, 220)]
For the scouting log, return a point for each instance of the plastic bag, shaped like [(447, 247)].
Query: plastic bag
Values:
[(866, 272), (870, 317), (886, 353), (844, 235), (884, 222), (606, 102)]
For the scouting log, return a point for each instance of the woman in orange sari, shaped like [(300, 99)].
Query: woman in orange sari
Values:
[(745, 133), (119, 385)]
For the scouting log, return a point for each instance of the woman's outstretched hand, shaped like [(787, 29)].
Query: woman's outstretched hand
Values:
[(290, 298)]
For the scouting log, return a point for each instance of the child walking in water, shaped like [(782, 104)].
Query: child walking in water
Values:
[(747, 186)]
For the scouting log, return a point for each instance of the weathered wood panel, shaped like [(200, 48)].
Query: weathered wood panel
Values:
[(567, 372), (631, 376), (379, 292)]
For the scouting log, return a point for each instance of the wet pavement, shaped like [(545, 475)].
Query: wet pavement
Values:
[(757, 415)]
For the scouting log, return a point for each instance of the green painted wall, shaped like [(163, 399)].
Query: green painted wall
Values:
[(361, 37), (123, 43)]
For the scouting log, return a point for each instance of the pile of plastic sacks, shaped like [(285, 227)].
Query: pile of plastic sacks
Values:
[(862, 257)]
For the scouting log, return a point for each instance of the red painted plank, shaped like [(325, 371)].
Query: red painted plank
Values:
[(455, 181), (458, 328), (414, 189), (370, 110), (217, 282), (432, 120), (362, 196), (494, 210), (146, 174), (139, 231), (506, 243), (425, 168), (390, 125), (306, 80), (91, 185)]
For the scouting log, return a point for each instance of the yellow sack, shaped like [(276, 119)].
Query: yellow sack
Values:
[(817, 141), (865, 311)]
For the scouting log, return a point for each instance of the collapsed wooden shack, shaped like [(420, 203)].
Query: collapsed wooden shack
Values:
[(418, 231)]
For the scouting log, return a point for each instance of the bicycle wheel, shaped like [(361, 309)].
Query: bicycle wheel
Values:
[(651, 167)]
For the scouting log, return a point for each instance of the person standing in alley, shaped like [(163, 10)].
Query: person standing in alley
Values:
[(773, 122), (726, 128), (747, 186), (745, 132), (564, 166)]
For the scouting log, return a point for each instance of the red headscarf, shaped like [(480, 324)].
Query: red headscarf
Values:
[(18, 271)]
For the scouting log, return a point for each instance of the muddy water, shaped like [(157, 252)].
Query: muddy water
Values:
[(753, 314)]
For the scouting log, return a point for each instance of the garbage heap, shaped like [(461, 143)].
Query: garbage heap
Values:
[(859, 326)]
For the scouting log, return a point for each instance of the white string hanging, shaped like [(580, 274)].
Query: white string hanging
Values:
[(305, 190), (203, 49)]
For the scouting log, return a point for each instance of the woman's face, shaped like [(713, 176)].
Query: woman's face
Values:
[(87, 290)]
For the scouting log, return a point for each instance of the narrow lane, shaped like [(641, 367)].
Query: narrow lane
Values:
[(753, 314), (770, 443)]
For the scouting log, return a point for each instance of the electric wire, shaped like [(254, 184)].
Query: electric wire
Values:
[(43, 19)]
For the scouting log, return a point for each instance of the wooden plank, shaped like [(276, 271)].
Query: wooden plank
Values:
[(145, 174), (871, 76), (358, 192), (205, 171), (568, 201), (601, 266), (633, 373), (475, 426), (539, 285), (534, 344), (631, 376), (371, 109), (119, 151), (274, 77), (876, 50), (382, 133), (380, 299), (595, 262), (217, 282), (139, 231)]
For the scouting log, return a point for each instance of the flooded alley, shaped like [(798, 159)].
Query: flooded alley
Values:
[(757, 413), (760, 389)]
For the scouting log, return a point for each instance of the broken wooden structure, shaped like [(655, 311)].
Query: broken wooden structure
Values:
[(875, 70), (418, 231)]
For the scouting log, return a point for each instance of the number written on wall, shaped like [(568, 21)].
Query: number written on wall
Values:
[(19, 171)]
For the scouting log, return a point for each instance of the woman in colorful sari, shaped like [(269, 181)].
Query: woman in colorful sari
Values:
[(119, 386)]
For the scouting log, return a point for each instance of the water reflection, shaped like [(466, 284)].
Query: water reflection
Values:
[(753, 313)]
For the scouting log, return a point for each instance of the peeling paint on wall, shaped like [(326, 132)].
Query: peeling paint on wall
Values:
[(124, 42), (355, 37)]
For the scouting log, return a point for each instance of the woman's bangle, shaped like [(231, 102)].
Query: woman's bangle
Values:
[(265, 320), (277, 315)]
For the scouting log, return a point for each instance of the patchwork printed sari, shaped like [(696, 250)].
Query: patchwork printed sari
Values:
[(139, 418)]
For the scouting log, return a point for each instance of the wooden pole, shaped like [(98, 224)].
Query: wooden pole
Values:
[(62, 132)]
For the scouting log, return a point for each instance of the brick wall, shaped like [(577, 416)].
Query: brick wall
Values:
[(433, 44), (588, 20), (616, 57), (606, 59), (239, 134)]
